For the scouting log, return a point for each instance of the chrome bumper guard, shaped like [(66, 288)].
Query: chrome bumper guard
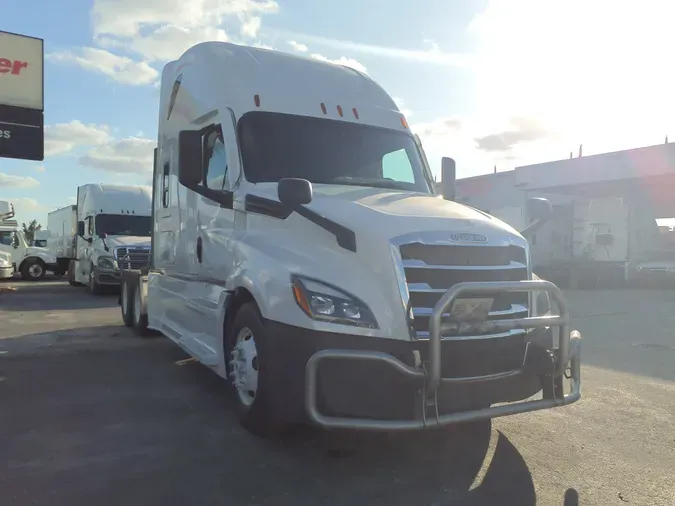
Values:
[(567, 364)]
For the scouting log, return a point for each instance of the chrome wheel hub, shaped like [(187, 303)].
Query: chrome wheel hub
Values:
[(244, 366)]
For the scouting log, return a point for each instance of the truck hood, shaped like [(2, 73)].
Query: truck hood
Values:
[(115, 241), (393, 213), (43, 253)]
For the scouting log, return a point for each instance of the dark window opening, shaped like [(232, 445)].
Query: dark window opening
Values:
[(276, 146), (124, 224)]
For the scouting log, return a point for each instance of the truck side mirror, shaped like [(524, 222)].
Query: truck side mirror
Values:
[(80, 228), (294, 192), (448, 178), (539, 210), (15, 240), (190, 162)]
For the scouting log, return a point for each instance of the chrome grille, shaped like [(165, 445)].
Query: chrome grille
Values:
[(132, 258), (431, 269)]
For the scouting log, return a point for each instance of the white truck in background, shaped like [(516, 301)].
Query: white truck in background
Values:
[(113, 224), (6, 267), (299, 249), (62, 239), (40, 238), (32, 262)]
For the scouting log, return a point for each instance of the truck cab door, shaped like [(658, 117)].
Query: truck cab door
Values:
[(7, 242), (84, 253), (215, 222)]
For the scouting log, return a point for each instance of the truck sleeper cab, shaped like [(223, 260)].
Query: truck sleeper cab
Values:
[(301, 251), (113, 222)]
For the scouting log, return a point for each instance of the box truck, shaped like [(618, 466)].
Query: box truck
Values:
[(31, 261), (299, 249)]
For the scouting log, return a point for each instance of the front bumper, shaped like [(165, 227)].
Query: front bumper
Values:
[(6, 272), (355, 382), (109, 278)]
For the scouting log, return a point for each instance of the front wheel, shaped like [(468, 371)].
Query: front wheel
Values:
[(33, 269), (246, 371), (93, 286)]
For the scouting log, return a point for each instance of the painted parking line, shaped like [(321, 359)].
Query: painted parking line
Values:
[(185, 361)]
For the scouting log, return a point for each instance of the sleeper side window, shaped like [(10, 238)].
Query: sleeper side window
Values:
[(165, 185), (215, 175)]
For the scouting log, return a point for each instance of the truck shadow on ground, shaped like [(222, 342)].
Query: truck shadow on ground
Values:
[(52, 297), (123, 420)]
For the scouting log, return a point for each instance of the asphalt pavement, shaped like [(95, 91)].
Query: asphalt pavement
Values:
[(92, 415)]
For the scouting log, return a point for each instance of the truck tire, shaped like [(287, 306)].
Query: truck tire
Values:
[(93, 287), (126, 303), (246, 373), (33, 269), (71, 274), (139, 320)]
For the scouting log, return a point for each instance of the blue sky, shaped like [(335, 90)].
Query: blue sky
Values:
[(489, 82)]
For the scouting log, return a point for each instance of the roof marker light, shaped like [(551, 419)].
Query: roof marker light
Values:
[(339, 109), (404, 122), (256, 99), (356, 113), (323, 108)]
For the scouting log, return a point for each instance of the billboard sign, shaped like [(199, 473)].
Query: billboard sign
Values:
[(21, 97)]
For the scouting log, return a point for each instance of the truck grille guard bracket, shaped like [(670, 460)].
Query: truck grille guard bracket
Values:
[(567, 364)]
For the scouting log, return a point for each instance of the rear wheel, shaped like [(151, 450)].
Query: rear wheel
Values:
[(33, 269), (139, 320), (246, 371), (126, 305)]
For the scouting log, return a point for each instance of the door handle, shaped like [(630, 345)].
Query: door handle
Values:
[(199, 249)]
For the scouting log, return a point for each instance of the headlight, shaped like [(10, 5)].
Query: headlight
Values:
[(4, 263), (328, 303), (107, 263)]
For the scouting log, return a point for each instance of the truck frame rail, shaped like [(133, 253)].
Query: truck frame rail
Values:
[(566, 363)]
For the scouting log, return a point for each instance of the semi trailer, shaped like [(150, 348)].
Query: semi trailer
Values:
[(301, 251)]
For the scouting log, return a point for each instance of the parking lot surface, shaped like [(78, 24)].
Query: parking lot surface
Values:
[(92, 415)]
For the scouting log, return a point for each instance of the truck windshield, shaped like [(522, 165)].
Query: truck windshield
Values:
[(123, 224), (276, 146)]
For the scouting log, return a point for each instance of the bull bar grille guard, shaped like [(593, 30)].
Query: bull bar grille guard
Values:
[(567, 363)]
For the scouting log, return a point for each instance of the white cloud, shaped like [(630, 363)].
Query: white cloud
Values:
[(342, 60), (159, 31), (131, 155), (40, 168), (250, 25), (64, 137), (120, 68), (128, 18), (300, 48), (26, 207), (11, 181), (167, 42), (433, 56)]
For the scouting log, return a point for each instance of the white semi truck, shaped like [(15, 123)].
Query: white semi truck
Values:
[(113, 224), (300, 250), (32, 262)]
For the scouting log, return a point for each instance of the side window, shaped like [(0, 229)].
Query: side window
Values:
[(396, 166), (6, 238), (165, 185), (215, 174)]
